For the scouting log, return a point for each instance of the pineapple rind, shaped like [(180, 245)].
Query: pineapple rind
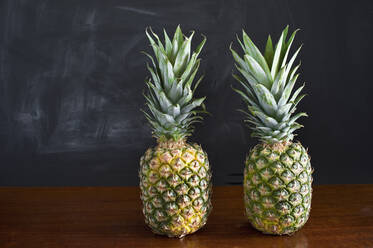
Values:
[(175, 183), (277, 187)]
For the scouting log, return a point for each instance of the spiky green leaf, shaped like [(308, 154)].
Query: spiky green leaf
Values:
[(268, 52), (172, 108), (268, 94)]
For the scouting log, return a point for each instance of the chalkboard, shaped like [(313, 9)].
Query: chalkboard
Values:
[(72, 77)]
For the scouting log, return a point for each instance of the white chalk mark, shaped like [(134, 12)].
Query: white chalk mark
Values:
[(140, 11)]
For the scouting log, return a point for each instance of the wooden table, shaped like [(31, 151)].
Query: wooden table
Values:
[(341, 216)]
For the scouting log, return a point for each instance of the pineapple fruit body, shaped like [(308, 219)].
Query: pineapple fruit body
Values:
[(175, 183), (277, 187)]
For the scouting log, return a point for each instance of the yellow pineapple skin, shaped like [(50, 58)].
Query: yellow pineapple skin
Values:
[(278, 187), (175, 183)]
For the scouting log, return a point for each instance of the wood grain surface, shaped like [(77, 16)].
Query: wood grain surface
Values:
[(341, 216)]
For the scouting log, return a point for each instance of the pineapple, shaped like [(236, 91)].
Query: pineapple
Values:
[(277, 174), (175, 176)]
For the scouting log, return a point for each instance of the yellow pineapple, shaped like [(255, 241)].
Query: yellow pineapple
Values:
[(175, 176)]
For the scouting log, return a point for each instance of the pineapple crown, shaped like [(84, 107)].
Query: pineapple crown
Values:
[(172, 107), (267, 84)]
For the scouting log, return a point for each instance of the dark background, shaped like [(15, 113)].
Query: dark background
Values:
[(72, 76)]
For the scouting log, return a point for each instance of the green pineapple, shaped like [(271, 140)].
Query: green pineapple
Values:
[(277, 175), (175, 177)]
